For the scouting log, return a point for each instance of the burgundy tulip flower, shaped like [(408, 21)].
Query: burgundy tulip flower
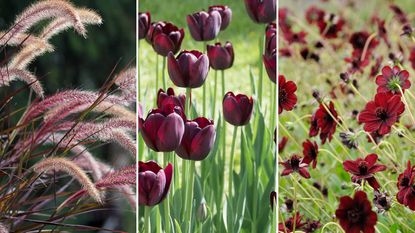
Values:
[(380, 114), (153, 182), (270, 38), (261, 11), (310, 152), (364, 169), (295, 164), (220, 58), (198, 139), (188, 69), (237, 109), (286, 94), (163, 129), (167, 98), (225, 14), (356, 214), (204, 26), (165, 37), (391, 79), (270, 63), (144, 21)]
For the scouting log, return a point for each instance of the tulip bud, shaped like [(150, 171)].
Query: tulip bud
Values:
[(188, 69), (198, 139), (261, 11), (163, 128), (165, 37), (153, 182), (225, 14), (220, 58), (167, 98), (270, 63), (202, 213), (237, 110), (204, 26), (144, 21), (270, 38)]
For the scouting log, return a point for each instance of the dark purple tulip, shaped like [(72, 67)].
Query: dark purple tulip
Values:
[(270, 63), (237, 110), (204, 26), (220, 58), (198, 139), (144, 21), (270, 38), (163, 128), (153, 182), (188, 69), (165, 37), (225, 14), (167, 98), (261, 11)]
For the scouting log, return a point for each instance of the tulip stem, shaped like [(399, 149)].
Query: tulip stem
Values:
[(166, 203), (163, 75), (235, 131), (138, 73), (261, 68), (214, 95), (147, 222), (204, 86), (157, 76), (189, 195)]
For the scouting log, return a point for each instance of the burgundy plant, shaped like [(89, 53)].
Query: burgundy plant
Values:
[(272, 199), (165, 37), (169, 98), (364, 169), (188, 69), (406, 193), (295, 164), (144, 21), (288, 225), (220, 57), (204, 26), (359, 39), (295, 37), (261, 11), (270, 63), (310, 152), (330, 25), (381, 113), (355, 214), (237, 109), (286, 94), (270, 38), (282, 144), (163, 128), (153, 182), (391, 79), (322, 122), (225, 14), (412, 57), (198, 139), (314, 14)]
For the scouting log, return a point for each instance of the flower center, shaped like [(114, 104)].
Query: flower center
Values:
[(404, 182), (354, 215), (295, 163), (363, 167), (282, 96), (382, 114), (394, 83)]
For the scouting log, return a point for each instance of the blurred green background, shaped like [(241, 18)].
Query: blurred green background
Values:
[(79, 63)]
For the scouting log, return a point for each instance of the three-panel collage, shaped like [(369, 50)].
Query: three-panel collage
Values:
[(158, 116)]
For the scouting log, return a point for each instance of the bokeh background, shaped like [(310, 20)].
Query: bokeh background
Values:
[(79, 63)]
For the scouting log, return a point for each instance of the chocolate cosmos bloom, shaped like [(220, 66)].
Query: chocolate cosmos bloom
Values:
[(204, 26), (163, 129), (286, 94), (356, 215), (220, 58), (225, 14), (153, 182), (188, 69), (270, 63), (322, 122), (144, 21), (364, 169), (406, 194), (165, 37), (295, 164), (288, 225), (198, 139), (310, 152), (261, 11), (237, 110), (167, 98), (391, 79)]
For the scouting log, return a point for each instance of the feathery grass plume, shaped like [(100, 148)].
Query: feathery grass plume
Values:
[(28, 53), (21, 39), (126, 81), (8, 75), (3, 228), (62, 164), (60, 24)]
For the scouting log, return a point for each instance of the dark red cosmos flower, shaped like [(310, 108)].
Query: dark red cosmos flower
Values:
[(165, 37), (314, 14), (270, 38), (220, 57), (311, 226), (391, 79), (168, 98), (307, 54), (270, 63), (358, 41), (204, 26), (380, 114), (288, 225), (406, 194), (282, 144), (261, 11), (144, 21), (225, 14), (322, 122), (163, 129), (295, 37), (330, 26), (363, 169), (356, 215), (357, 64), (412, 57), (399, 14), (310, 152), (286, 94), (283, 22), (198, 139), (295, 164), (237, 109), (188, 69), (153, 182), (285, 52)]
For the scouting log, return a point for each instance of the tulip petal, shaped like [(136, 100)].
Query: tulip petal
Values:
[(198, 71), (202, 143), (170, 133), (174, 71)]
